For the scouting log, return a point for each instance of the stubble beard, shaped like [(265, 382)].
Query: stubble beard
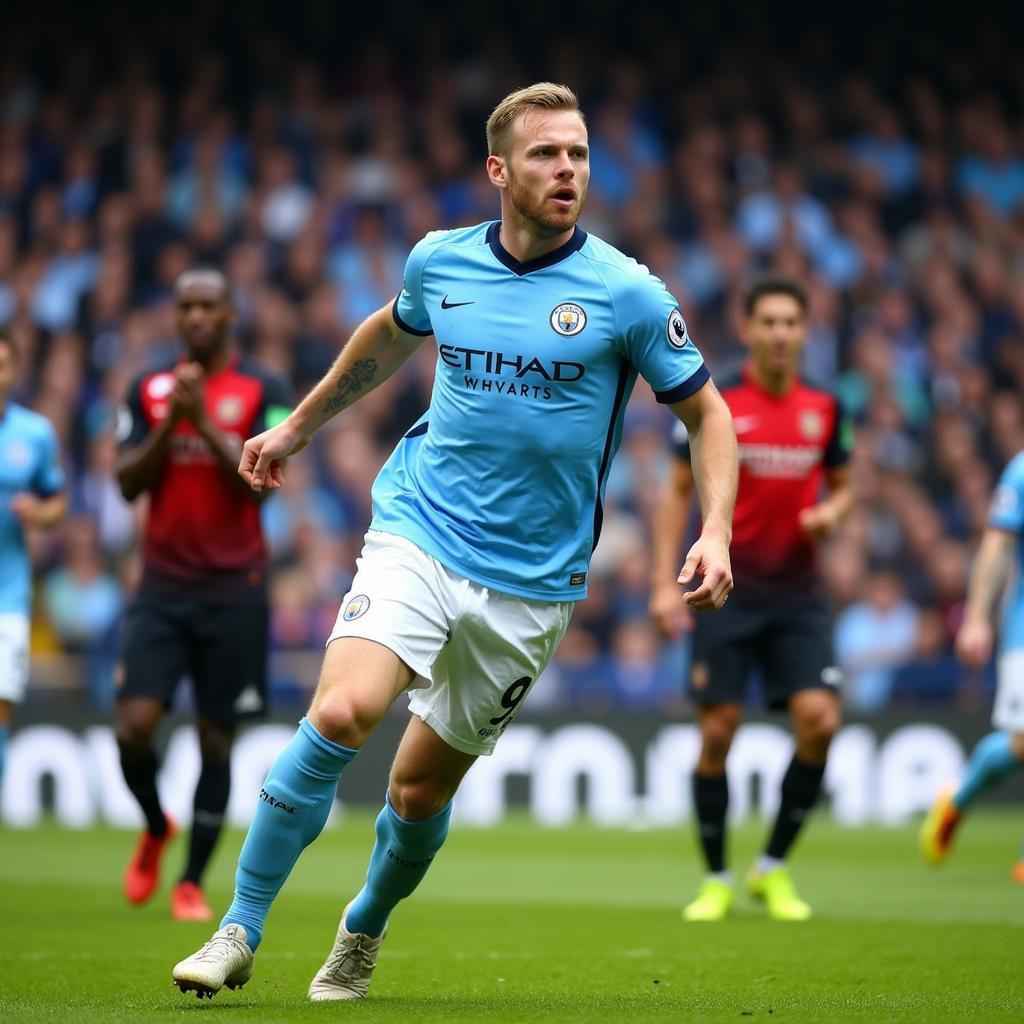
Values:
[(547, 222)]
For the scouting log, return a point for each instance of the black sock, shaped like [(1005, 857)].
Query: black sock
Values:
[(140, 775), (800, 788), (711, 801), (208, 808)]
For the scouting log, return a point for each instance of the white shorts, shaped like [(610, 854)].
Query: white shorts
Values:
[(13, 656), (1008, 712), (475, 651)]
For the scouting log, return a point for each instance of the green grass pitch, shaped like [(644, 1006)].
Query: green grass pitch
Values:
[(522, 924)]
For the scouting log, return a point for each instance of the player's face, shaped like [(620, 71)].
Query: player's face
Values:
[(6, 370), (204, 313), (775, 333), (548, 169)]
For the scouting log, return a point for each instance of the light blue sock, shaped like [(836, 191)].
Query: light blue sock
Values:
[(991, 761), (400, 858), (3, 748), (294, 803)]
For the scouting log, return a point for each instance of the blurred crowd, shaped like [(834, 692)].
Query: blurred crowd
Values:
[(897, 196)]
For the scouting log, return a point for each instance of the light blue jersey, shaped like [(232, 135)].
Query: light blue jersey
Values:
[(1007, 513), (503, 478), (29, 462)]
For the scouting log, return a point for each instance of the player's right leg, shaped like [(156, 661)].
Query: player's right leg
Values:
[(153, 660), (718, 724), (358, 683)]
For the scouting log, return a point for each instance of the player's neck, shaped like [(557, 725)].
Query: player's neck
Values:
[(774, 382), (520, 239), (214, 362)]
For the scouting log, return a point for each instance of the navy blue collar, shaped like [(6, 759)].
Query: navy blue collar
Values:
[(579, 236)]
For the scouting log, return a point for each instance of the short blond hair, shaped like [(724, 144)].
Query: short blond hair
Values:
[(542, 96)]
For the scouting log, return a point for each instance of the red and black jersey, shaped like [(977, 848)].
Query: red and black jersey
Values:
[(203, 530), (786, 442)]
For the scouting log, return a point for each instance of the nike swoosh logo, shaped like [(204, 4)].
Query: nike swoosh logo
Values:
[(445, 304)]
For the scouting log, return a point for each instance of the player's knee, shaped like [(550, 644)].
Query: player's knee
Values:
[(214, 741), (816, 731), (717, 733), (133, 738), (342, 720), (419, 799)]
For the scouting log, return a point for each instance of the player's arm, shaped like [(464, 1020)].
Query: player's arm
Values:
[(715, 468), (377, 348), (974, 641), (671, 516), (820, 521), (44, 513)]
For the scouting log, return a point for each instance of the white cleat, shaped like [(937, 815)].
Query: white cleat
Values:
[(347, 971), (225, 960)]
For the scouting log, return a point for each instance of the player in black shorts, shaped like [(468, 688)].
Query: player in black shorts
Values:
[(793, 492), (201, 610)]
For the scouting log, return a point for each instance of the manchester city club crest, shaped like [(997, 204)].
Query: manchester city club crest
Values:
[(568, 319), (357, 606), (676, 330)]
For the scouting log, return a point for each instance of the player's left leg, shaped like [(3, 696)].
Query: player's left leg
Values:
[(800, 675), (208, 808), (409, 832)]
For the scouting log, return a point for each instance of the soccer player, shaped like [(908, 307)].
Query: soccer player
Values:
[(201, 609), (484, 517), (1000, 753), (793, 492), (31, 495)]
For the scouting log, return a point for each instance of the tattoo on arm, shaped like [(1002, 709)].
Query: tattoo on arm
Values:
[(361, 373)]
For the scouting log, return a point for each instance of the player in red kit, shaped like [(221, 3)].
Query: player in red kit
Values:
[(793, 492), (201, 609)]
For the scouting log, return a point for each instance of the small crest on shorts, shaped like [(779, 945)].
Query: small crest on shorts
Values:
[(700, 675), (358, 605), (832, 676), (577, 579), (812, 424), (675, 330), (568, 319)]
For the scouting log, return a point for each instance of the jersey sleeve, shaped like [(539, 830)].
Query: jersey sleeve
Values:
[(409, 309), (657, 341), (48, 478), (131, 427), (275, 405), (840, 444), (1007, 509), (680, 441)]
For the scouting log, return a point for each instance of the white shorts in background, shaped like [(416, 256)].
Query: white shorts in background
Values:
[(476, 651), (1008, 712), (13, 656)]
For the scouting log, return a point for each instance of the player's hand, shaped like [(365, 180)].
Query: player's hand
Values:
[(709, 559), (262, 463), (671, 616), (188, 398), (25, 508), (819, 521), (974, 643)]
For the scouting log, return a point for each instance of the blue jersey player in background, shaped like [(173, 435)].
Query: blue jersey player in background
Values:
[(31, 495), (1001, 752), (484, 518)]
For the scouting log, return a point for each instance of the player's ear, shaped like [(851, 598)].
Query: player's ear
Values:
[(497, 171)]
